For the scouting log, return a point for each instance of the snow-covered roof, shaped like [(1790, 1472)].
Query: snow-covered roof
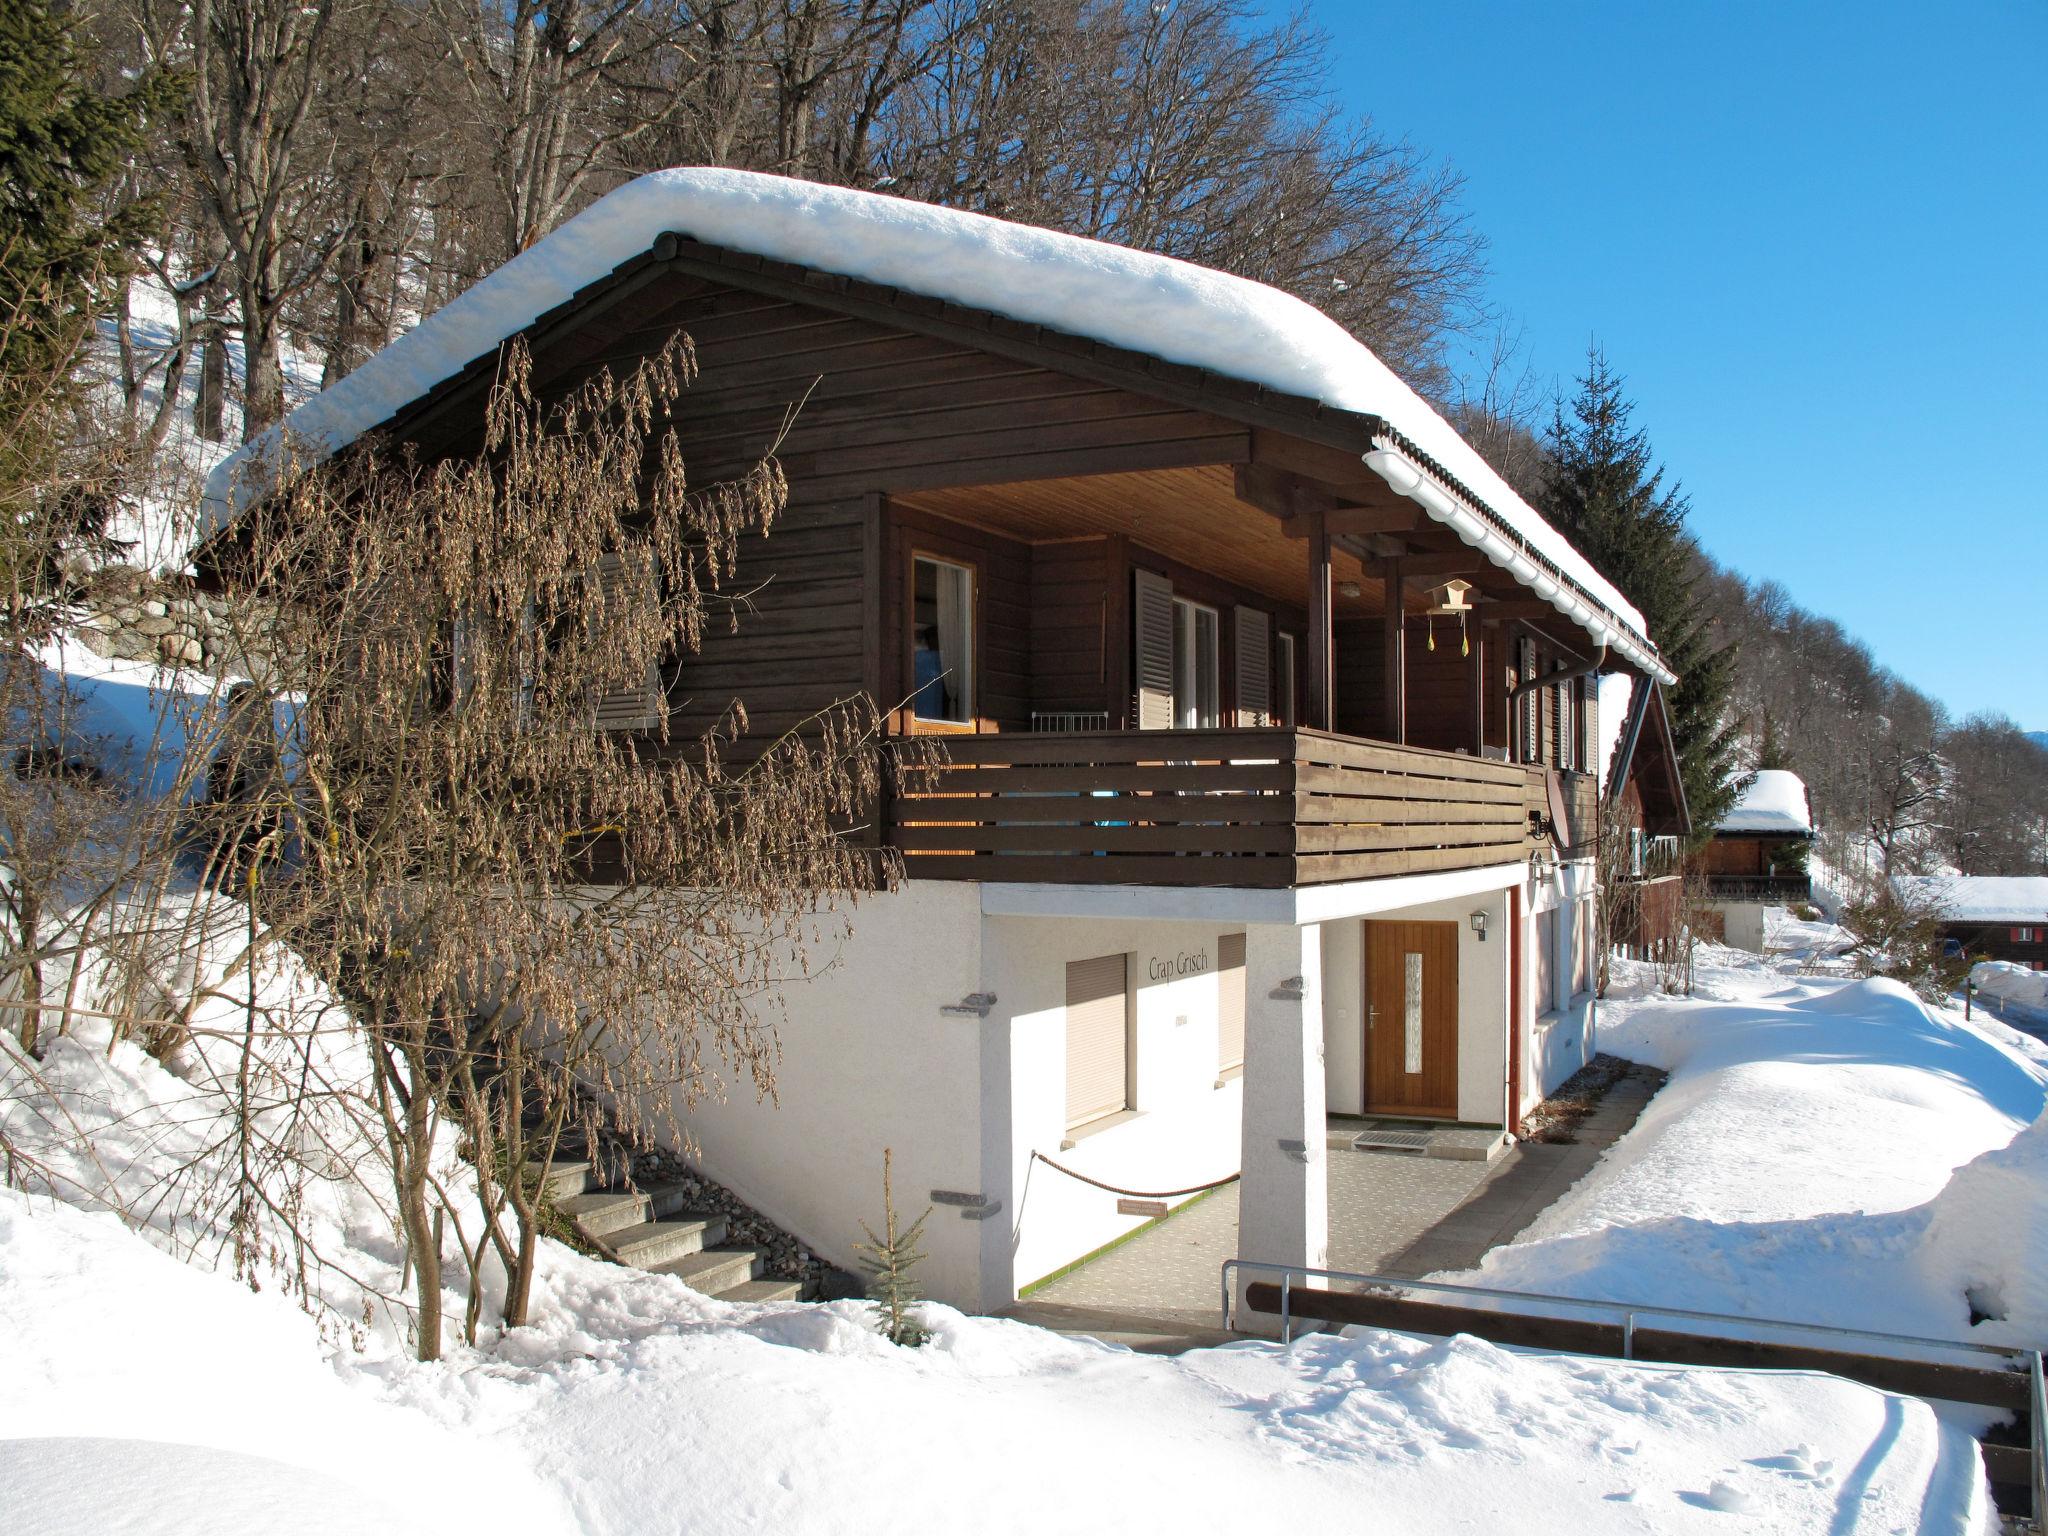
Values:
[(1145, 303), (1774, 802), (1981, 898)]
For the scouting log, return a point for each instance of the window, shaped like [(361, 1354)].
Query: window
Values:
[(1285, 681), (942, 641), (1197, 695), (2024, 935), (1545, 968), (1098, 1038), (627, 709), (1230, 1001)]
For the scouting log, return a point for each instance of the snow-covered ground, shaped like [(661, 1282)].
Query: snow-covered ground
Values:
[(1803, 1162), (1825, 1152)]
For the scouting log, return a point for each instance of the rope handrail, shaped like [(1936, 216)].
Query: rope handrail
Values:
[(1139, 1194)]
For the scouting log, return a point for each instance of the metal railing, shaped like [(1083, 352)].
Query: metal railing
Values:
[(1900, 1349)]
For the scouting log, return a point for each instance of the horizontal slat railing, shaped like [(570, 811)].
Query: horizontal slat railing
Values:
[(1260, 807)]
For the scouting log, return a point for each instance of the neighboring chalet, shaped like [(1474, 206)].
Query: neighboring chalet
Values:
[(1647, 793), (1269, 708), (1988, 917), (1757, 856)]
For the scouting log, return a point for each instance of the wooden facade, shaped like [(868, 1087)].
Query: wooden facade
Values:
[(1059, 484)]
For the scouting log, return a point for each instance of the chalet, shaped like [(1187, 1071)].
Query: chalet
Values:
[(1647, 791), (1757, 855), (1269, 709), (1988, 917)]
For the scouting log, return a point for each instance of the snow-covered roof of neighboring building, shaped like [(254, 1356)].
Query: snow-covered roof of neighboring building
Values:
[(1774, 802), (1144, 303), (1981, 898)]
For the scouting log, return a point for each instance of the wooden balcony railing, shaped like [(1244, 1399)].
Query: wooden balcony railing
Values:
[(1269, 808)]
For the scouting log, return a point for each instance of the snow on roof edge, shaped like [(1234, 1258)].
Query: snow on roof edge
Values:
[(1982, 898), (1775, 801), (1147, 303)]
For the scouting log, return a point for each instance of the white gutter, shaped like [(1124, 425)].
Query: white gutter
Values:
[(1512, 555)]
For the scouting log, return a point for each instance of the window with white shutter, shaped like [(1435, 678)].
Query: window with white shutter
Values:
[(1098, 1038), (1254, 667), (1152, 645), (628, 709)]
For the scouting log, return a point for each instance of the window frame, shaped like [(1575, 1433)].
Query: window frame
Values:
[(1194, 612), (940, 725)]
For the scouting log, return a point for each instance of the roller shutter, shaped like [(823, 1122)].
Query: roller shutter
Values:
[(1098, 1038), (1230, 1001), (628, 709)]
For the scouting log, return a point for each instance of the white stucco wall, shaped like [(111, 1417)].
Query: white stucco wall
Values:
[(868, 1061), (1482, 1005), (1745, 923), (1184, 1127), (1562, 1035)]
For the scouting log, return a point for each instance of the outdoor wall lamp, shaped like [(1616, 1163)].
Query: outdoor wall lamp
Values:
[(1479, 925)]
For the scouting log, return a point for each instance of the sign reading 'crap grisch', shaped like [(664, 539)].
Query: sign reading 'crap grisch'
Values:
[(1189, 962)]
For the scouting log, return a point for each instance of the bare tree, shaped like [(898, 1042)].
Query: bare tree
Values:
[(520, 905)]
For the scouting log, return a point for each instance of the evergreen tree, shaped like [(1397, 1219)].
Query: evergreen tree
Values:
[(1609, 496), (889, 1259), (63, 145)]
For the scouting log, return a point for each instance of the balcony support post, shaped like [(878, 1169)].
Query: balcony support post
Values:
[(1284, 1200), (1396, 687), (1322, 703)]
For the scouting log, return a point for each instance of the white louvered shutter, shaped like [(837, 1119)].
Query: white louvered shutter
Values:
[(628, 709), (1098, 1038), (1152, 633), (1230, 1001), (1254, 667)]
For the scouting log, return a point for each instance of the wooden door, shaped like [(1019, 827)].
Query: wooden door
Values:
[(1411, 1010)]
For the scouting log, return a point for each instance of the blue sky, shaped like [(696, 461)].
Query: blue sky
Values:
[(1815, 240)]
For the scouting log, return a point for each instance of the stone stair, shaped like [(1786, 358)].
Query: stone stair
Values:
[(649, 1229)]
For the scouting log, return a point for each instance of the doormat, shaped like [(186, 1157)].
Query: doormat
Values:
[(1390, 1140)]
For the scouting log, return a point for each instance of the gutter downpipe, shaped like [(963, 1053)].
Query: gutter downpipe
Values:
[(1561, 675)]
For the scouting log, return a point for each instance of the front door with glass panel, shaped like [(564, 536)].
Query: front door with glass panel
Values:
[(1411, 1011)]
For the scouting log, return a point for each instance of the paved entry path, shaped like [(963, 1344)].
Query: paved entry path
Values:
[(1390, 1213)]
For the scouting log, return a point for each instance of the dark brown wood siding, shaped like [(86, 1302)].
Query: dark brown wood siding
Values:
[(851, 407), (1071, 638)]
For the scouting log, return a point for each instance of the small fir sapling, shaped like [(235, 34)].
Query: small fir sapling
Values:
[(889, 1260)]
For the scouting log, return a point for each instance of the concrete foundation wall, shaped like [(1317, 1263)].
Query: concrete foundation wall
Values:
[(1743, 923), (868, 1061)]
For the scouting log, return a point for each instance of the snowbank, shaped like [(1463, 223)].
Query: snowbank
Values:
[(635, 1407), (1823, 1153), (1150, 304), (2016, 983), (1775, 801)]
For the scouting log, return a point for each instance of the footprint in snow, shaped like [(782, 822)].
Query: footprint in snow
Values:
[(1725, 1497)]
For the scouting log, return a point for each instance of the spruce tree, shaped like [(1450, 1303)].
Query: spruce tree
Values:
[(64, 239), (889, 1258), (1607, 494)]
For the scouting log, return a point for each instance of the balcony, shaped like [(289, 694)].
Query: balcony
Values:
[(1776, 890), (1256, 807)]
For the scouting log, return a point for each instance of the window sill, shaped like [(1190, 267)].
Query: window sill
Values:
[(1229, 1075), (1109, 1122)]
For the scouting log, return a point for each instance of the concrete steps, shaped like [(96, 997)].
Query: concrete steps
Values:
[(652, 1229)]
